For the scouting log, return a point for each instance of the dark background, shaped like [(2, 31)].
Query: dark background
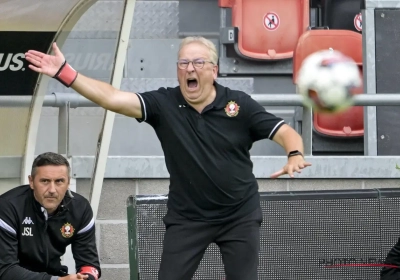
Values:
[(23, 81)]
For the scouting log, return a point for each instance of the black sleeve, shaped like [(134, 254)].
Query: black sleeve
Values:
[(392, 269), (261, 123), (84, 249), (9, 263), (151, 102)]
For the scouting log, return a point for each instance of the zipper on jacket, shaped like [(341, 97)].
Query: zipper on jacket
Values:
[(46, 216), (46, 236)]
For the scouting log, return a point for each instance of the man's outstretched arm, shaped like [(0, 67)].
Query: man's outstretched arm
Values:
[(99, 92), (290, 140)]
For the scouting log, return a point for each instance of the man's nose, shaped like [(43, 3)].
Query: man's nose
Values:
[(190, 67), (52, 187)]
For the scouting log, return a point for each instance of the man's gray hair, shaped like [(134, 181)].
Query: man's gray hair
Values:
[(198, 39)]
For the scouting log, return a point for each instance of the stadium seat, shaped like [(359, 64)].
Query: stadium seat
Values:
[(267, 29), (351, 122), (342, 14)]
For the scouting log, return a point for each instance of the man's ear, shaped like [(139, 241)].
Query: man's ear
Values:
[(30, 178), (215, 72)]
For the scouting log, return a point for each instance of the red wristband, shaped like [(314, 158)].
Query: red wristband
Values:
[(90, 270), (66, 74)]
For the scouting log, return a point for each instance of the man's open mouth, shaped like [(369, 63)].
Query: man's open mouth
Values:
[(192, 82)]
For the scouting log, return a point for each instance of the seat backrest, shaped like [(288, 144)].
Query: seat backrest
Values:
[(347, 42), (349, 123), (342, 14), (268, 29)]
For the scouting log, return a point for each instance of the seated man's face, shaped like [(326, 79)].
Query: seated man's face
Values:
[(49, 184)]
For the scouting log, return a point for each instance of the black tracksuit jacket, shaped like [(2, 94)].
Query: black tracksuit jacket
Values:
[(31, 243)]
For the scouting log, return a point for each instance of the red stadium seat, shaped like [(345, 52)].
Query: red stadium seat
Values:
[(268, 29), (351, 122)]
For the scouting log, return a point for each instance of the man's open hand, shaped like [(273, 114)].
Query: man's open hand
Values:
[(294, 164), (44, 63)]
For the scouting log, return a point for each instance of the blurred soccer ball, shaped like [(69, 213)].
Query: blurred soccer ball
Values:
[(327, 80)]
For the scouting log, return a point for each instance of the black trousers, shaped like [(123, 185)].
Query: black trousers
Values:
[(185, 242)]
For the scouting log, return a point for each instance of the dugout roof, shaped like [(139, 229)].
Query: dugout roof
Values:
[(38, 15), (24, 25)]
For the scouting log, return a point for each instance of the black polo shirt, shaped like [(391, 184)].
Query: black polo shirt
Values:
[(207, 155)]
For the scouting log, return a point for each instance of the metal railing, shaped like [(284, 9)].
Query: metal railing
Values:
[(64, 101), (75, 100)]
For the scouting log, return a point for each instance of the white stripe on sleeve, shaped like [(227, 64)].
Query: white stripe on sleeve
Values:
[(88, 227), (276, 126), (144, 107), (8, 228)]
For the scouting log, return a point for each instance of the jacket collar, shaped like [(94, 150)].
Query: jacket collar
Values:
[(219, 102)]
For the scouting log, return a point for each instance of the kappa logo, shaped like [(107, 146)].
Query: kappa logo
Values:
[(27, 221), (67, 230), (232, 109)]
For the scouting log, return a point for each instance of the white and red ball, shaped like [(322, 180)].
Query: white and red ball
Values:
[(327, 80)]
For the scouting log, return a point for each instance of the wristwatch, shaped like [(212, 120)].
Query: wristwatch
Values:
[(295, 153)]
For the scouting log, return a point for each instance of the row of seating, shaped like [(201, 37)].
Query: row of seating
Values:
[(270, 30)]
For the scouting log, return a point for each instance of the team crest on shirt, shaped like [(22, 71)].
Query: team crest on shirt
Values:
[(232, 109), (67, 230)]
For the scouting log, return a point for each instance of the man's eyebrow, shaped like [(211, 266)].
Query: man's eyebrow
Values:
[(56, 179)]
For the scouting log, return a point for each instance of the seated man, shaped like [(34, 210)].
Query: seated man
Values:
[(391, 270), (38, 221)]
